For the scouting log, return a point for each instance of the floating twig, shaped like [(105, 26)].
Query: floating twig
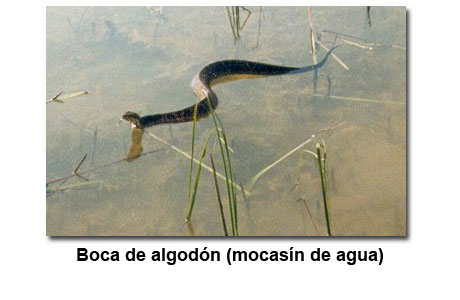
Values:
[(362, 46), (344, 34), (65, 178), (79, 165), (247, 17), (59, 99), (356, 99), (64, 188), (367, 43), (55, 98)]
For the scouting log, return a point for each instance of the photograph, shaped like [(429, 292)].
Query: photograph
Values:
[(245, 121)]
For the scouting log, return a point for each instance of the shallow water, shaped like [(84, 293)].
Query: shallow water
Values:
[(143, 59)]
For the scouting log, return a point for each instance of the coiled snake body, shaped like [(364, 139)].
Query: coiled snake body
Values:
[(212, 74)]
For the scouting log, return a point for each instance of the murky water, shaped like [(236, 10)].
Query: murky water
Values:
[(143, 59)]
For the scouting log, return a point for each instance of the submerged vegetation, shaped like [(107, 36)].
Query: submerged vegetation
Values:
[(237, 21), (229, 175), (322, 173)]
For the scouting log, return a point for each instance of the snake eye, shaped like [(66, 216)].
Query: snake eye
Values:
[(130, 116)]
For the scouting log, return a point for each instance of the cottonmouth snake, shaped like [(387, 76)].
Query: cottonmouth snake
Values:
[(212, 74)]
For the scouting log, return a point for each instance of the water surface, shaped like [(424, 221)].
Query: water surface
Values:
[(142, 59)]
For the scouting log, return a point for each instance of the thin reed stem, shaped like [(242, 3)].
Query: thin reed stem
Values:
[(356, 99), (231, 23), (197, 180), (266, 169), (232, 175), (59, 99), (221, 208), (227, 168), (323, 188), (313, 49)]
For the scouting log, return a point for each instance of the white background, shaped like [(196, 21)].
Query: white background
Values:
[(426, 264)]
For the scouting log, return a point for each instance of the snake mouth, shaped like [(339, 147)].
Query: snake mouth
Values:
[(133, 118)]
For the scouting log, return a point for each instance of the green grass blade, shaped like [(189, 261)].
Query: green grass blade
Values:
[(218, 197), (228, 175), (269, 167), (232, 177), (323, 188), (197, 180)]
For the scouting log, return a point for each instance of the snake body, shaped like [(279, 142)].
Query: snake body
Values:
[(212, 74)]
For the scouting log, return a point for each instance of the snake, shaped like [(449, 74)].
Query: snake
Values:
[(212, 74)]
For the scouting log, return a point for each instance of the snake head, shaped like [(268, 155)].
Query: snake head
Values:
[(132, 118)]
